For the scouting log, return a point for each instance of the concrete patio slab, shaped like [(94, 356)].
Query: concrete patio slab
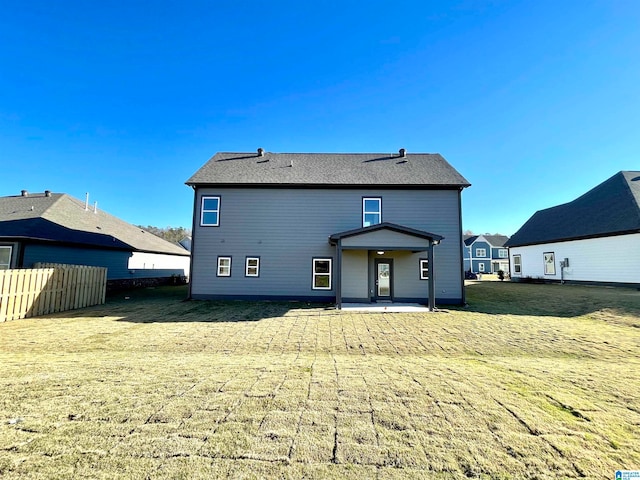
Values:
[(385, 307)]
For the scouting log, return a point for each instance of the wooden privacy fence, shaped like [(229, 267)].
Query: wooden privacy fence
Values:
[(50, 288)]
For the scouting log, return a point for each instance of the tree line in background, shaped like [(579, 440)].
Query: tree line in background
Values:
[(170, 234)]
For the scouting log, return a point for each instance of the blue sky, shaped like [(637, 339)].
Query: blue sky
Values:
[(534, 102)]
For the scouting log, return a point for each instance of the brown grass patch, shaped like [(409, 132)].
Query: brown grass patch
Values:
[(529, 381)]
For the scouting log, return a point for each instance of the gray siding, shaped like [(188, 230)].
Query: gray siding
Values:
[(385, 238), (287, 228), (355, 275)]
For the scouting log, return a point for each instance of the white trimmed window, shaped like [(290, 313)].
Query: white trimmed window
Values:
[(424, 269), (252, 267), (5, 257), (321, 274), (481, 267), (371, 211), (481, 252), (517, 265), (224, 267), (502, 253), (210, 212)]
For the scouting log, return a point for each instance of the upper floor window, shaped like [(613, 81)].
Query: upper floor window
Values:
[(371, 211), (481, 252), (210, 212), (502, 253), (5, 257)]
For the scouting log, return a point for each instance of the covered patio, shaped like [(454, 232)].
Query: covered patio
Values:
[(385, 265)]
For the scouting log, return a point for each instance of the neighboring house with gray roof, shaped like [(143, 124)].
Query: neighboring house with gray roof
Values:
[(58, 228), (485, 253), (328, 228), (594, 238)]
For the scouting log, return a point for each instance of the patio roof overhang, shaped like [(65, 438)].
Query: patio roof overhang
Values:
[(389, 236)]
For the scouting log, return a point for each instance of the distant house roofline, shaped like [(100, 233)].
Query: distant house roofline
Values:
[(63, 219), (610, 208)]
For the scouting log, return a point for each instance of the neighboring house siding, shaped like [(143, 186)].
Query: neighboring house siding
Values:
[(150, 263), (613, 259), (289, 227), (114, 260), (117, 262)]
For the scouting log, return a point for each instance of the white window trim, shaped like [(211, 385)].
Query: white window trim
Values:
[(423, 269), (6, 266), (517, 266), (375, 212), (314, 274), (220, 267), (256, 266), (203, 211), (481, 253), (503, 253), (481, 267)]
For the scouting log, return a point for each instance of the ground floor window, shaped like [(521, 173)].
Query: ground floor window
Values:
[(424, 269), (481, 267), (517, 264), (224, 267), (252, 267), (321, 274), (549, 263), (5, 257)]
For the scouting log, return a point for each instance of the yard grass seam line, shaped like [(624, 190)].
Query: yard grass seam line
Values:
[(302, 412), (334, 457), (539, 435), (371, 411)]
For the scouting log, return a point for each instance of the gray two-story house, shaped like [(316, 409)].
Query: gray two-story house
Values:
[(328, 228)]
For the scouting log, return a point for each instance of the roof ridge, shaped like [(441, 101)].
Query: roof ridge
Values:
[(635, 200), (52, 204), (326, 153)]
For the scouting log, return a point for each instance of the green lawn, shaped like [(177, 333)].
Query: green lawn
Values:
[(528, 381)]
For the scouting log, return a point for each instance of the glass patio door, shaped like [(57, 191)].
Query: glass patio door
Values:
[(383, 279)]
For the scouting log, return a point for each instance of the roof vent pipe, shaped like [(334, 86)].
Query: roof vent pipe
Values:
[(24, 193), (47, 193), (95, 207), (86, 201), (402, 152), (261, 152)]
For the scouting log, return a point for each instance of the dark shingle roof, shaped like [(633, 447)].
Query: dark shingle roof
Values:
[(61, 218), (496, 240), (613, 207), (328, 169), (469, 239)]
